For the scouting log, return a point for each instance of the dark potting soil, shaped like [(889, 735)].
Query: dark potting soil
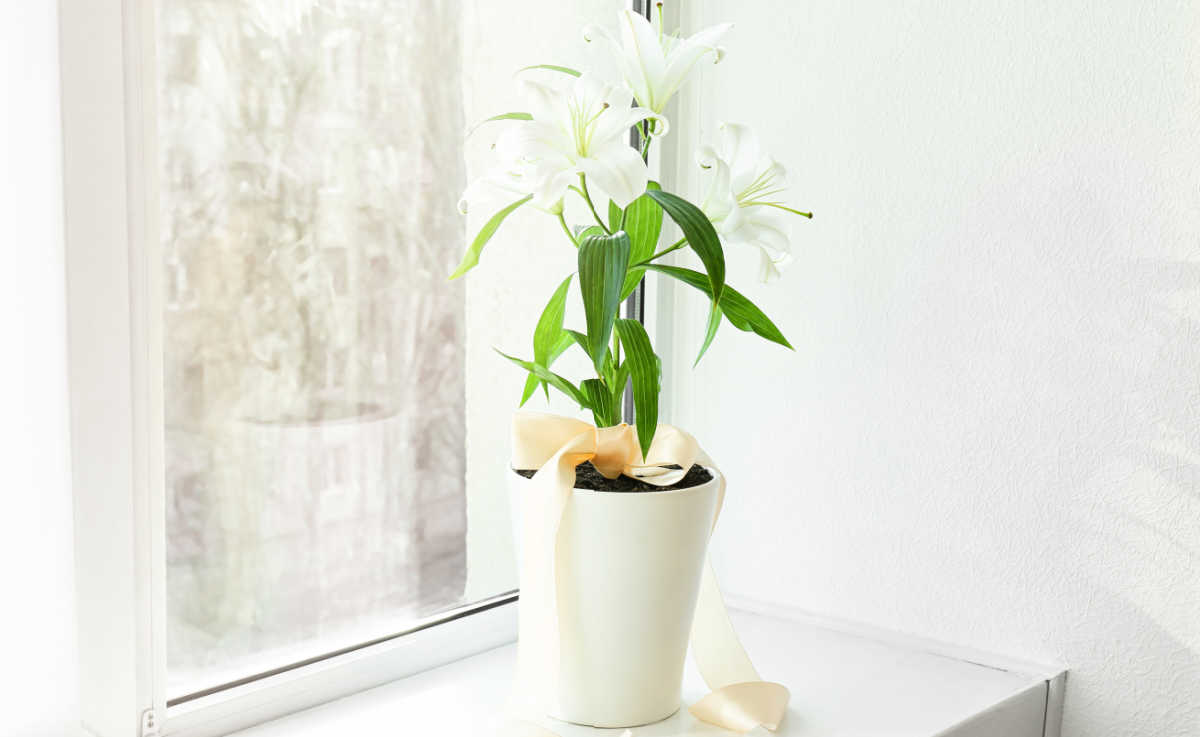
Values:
[(587, 477)]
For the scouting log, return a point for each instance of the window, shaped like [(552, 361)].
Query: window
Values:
[(313, 351), (289, 431)]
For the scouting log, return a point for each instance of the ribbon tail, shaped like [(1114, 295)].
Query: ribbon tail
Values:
[(744, 706), (740, 699), (718, 652)]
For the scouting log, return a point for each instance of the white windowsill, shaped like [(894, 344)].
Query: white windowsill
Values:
[(844, 681)]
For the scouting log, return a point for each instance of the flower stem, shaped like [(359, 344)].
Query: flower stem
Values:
[(673, 247), (563, 221), (588, 198)]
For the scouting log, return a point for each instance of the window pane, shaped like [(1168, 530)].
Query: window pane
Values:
[(313, 350)]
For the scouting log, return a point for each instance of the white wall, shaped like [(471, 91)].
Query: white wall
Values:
[(38, 690), (989, 432)]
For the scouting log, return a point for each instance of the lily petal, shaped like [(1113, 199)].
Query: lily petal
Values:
[(718, 200), (770, 269), (618, 170), (641, 44), (689, 51), (616, 122), (768, 233), (490, 189), (740, 148), (545, 104), (532, 141), (627, 65), (550, 188)]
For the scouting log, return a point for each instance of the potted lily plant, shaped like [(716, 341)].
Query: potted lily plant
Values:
[(616, 518)]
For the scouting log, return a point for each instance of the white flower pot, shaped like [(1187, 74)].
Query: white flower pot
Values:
[(631, 572)]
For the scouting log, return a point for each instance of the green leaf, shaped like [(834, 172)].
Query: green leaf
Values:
[(547, 336), (714, 322), (550, 378), (577, 338), (583, 231), (700, 236), (741, 312), (551, 67), (532, 382), (645, 371), (550, 324), (603, 260), (564, 342), (614, 216), (631, 281), (643, 223), (501, 116), (471, 258), (619, 382), (580, 339), (590, 231), (604, 409)]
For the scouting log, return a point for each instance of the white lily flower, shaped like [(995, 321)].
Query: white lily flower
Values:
[(580, 131), (653, 63), (511, 181), (742, 198)]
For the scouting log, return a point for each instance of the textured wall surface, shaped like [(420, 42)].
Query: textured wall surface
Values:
[(989, 432)]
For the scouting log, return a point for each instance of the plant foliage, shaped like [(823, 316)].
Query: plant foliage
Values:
[(742, 205)]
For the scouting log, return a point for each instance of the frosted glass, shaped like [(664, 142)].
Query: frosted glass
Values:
[(313, 350)]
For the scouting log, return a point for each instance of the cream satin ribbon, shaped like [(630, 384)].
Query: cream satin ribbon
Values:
[(740, 700)]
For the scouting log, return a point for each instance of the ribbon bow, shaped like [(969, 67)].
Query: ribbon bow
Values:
[(740, 700)]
